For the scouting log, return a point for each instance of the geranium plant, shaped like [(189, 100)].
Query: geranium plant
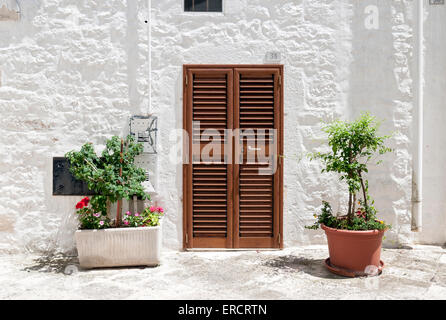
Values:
[(150, 217), (90, 216), (112, 175), (352, 146)]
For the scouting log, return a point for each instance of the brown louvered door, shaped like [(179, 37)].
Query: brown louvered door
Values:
[(209, 187), (257, 188), (233, 200)]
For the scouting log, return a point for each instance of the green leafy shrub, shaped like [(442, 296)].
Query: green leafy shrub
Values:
[(353, 145), (113, 175)]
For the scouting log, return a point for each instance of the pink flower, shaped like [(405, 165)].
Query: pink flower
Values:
[(126, 222), (97, 215), (160, 209), (101, 223), (152, 209), (137, 214), (128, 213)]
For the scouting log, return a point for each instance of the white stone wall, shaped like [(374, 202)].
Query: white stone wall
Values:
[(74, 71), (434, 217)]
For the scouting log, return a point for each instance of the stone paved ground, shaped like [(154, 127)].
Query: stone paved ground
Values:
[(293, 273)]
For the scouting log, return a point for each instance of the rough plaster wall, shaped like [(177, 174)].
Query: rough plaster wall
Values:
[(388, 91), (381, 82), (434, 180), (73, 71)]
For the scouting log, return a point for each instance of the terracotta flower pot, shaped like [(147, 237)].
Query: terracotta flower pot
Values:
[(353, 251)]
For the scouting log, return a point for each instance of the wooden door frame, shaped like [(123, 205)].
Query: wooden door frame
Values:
[(187, 169)]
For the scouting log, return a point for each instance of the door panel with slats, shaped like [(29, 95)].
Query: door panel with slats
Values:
[(232, 199), (209, 112), (257, 189)]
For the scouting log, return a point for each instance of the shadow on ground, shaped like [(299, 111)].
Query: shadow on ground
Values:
[(398, 247), (67, 264), (314, 267), (57, 263)]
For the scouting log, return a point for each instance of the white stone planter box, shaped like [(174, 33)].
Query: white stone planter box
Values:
[(118, 247)]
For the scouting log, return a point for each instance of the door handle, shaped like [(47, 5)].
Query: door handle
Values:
[(253, 149)]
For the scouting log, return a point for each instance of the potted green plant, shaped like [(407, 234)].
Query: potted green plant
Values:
[(131, 239), (354, 239)]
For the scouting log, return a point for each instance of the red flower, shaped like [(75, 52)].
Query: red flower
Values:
[(85, 201)]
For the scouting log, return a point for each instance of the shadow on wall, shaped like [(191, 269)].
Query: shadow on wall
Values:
[(179, 166)]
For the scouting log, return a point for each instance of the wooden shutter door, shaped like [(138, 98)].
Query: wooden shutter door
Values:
[(227, 203), (208, 187), (258, 197)]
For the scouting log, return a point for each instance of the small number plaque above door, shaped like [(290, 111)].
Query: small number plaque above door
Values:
[(273, 57)]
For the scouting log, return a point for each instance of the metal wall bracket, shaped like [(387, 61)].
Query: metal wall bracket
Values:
[(145, 129)]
